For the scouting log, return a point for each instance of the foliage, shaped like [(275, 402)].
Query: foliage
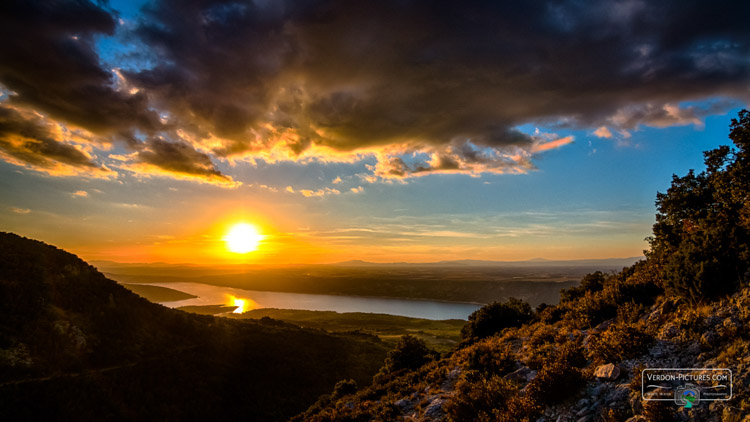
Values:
[(490, 358), (410, 353), (344, 388), (591, 309), (592, 282), (555, 381), (478, 398), (701, 239), (495, 317), (618, 342)]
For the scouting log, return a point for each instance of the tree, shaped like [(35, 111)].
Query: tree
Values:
[(410, 353), (592, 282), (493, 318), (701, 239)]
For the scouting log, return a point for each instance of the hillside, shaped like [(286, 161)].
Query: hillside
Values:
[(75, 345), (580, 361)]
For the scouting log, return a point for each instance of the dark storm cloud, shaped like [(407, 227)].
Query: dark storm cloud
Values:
[(48, 61), (32, 142), (446, 81), (178, 158), (353, 74)]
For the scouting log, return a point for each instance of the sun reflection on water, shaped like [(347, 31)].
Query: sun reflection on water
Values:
[(242, 304)]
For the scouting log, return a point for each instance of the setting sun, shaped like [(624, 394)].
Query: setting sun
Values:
[(243, 238)]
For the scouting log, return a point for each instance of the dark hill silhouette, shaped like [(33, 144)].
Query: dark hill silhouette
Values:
[(75, 345)]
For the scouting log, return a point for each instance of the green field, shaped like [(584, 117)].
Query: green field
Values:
[(440, 335)]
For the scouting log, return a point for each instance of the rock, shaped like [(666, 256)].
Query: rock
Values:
[(402, 403), (609, 371), (693, 350), (585, 419), (598, 390), (434, 409)]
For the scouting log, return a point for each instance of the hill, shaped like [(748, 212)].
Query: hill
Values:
[(75, 345), (580, 361), (158, 294)]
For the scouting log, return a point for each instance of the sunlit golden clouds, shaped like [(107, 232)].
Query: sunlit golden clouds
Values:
[(30, 140)]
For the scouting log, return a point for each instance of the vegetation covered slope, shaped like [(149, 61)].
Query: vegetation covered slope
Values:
[(686, 306), (75, 345)]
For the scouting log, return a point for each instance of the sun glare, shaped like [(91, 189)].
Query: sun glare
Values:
[(240, 304), (243, 238)]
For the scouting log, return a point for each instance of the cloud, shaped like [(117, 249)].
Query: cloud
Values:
[(80, 194), (603, 132), (423, 88), (28, 139), (175, 159), (48, 61), (557, 143), (319, 193), (19, 210)]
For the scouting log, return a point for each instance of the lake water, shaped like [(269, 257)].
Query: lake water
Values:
[(215, 295)]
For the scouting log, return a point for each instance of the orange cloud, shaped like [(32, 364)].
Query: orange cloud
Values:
[(603, 132), (149, 170), (557, 143)]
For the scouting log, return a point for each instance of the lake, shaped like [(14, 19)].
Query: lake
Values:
[(251, 299)]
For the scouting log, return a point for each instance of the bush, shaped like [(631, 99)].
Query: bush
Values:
[(591, 309), (344, 388), (554, 382), (550, 314), (478, 398), (410, 353), (618, 342), (592, 282), (491, 359), (495, 317)]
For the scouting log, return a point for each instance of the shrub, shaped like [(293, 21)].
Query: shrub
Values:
[(491, 359), (344, 388), (618, 342), (410, 353), (592, 282), (478, 398), (591, 309), (495, 317), (550, 314), (554, 382)]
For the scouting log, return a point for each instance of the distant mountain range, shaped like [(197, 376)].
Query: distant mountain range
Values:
[(615, 263)]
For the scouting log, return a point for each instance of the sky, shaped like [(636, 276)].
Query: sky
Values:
[(389, 131)]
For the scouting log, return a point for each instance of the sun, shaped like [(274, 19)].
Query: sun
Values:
[(243, 238)]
